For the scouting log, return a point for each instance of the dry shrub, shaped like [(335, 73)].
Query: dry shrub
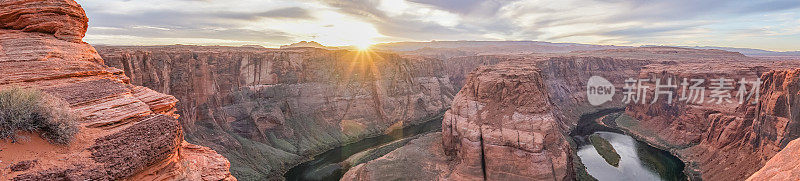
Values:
[(30, 110)]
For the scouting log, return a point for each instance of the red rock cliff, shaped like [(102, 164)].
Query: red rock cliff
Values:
[(267, 110), (777, 121), (720, 142), (724, 141), (502, 127), (783, 166), (126, 131)]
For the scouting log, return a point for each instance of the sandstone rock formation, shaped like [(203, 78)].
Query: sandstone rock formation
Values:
[(725, 141), (64, 19), (126, 131), (267, 110), (501, 127), (719, 142), (783, 166)]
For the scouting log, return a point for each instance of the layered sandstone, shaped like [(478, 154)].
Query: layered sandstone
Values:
[(126, 131), (267, 110), (753, 133), (725, 141), (719, 142), (458, 68), (63, 19), (502, 127), (783, 166)]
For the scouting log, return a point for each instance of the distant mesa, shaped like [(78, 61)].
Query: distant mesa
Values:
[(307, 44), (254, 46)]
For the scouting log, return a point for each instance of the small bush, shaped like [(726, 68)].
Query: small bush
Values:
[(30, 110)]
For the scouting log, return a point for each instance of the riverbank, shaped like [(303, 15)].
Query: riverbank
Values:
[(604, 121), (332, 164), (626, 124)]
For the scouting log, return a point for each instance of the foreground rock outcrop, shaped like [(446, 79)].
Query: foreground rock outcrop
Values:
[(783, 166), (267, 110), (502, 127), (64, 19), (126, 131)]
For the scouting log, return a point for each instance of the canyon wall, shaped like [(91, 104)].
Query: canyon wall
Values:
[(728, 141), (267, 110), (718, 141), (458, 68), (776, 122), (725, 141), (125, 131), (751, 135), (511, 119)]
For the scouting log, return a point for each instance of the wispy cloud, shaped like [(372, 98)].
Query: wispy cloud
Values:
[(770, 24)]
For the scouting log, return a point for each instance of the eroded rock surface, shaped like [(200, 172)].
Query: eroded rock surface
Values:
[(64, 19), (783, 166), (725, 141), (267, 110), (125, 130), (501, 127)]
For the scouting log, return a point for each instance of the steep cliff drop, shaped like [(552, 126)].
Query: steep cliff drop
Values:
[(718, 142), (268, 110), (502, 127), (725, 141), (125, 131), (780, 111)]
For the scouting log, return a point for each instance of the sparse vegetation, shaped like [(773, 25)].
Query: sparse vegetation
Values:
[(30, 110), (605, 149)]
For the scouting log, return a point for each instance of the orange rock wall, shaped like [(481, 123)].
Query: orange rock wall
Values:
[(125, 130)]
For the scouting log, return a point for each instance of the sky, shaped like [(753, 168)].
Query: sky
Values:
[(762, 24)]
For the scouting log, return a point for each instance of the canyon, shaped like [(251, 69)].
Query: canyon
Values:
[(267, 110), (243, 102), (125, 131), (510, 112), (483, 140)]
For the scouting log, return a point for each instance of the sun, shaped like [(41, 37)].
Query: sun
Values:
[(362, 46)]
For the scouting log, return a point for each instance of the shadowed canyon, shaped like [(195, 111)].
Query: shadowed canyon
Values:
[(439, 110)]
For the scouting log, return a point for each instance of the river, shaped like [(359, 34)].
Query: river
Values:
[(638, 161), (326, 166)]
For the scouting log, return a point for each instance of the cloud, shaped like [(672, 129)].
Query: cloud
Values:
[(630, 22), (221, 34), (185, 20), (292, 12), (194, 19), (769, 6), (465, 7), (418, 21)]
